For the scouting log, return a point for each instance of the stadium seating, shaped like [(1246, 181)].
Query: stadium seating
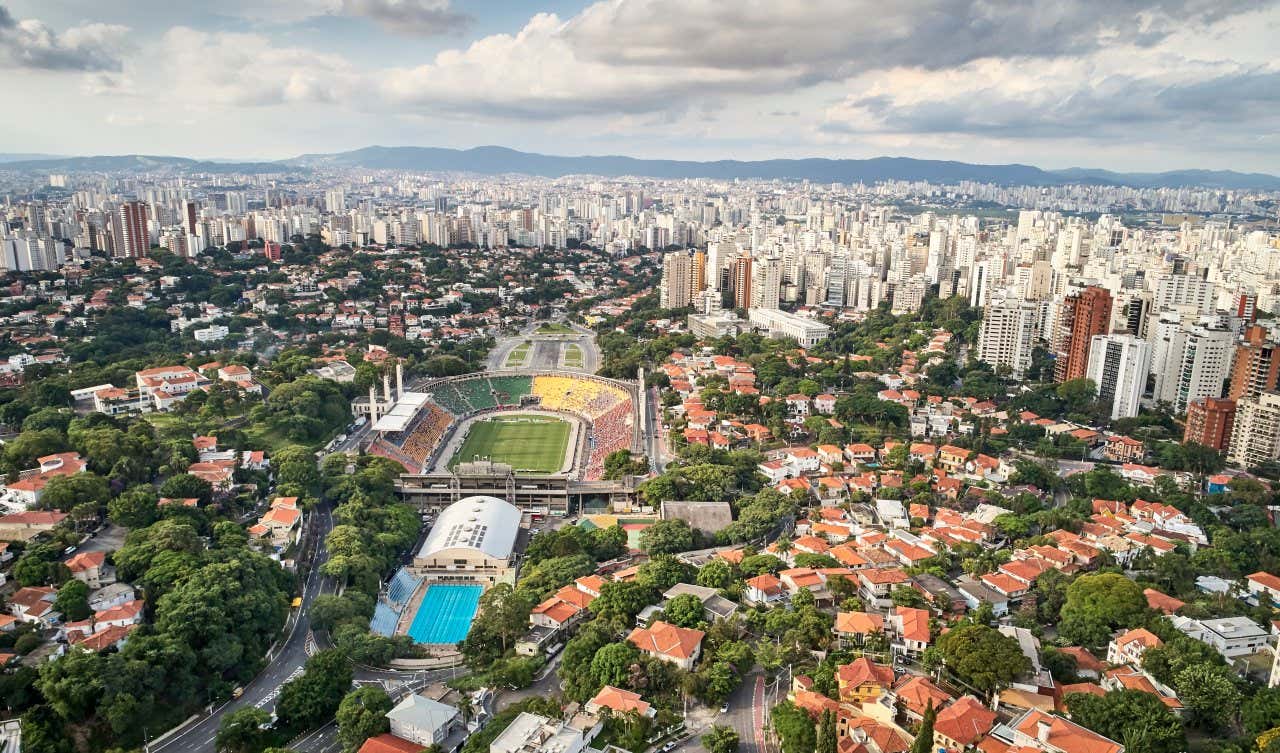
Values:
[(448, 395), (385, 449), (609, 433), (511, 388), (582, 396), (401, 588), (433, 421), (384, 620)]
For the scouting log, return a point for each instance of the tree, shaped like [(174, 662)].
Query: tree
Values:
[(241, 731), (924, 736), (1099, 604), (612, 664), (502, 618), (1261, 712), (795, 728), (1136, 718), (715, 574), (826, 733), (684, 610), (1208, 694), (982, 657), (667, 537), (361, 715), (314, 697), (65, 492), (720, 739), (186, 486), (136, 508), (73, 601)]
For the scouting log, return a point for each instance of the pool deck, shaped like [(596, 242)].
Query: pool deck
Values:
[(410, 612)]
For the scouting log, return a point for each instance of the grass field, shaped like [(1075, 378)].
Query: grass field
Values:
[(573, 356), (554, 328), (518, 354), (526, 442)]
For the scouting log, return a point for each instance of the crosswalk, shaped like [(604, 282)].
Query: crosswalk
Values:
[(275, 692)]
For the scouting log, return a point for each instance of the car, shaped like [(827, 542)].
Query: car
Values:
[(70, 550), (724, 708), (669, 746)]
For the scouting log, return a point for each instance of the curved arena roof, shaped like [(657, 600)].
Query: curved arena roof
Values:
[(485, 524)]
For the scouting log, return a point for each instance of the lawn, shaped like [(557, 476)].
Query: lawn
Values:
[(573, 356), (529, 443), (518, 354), (554, 328)]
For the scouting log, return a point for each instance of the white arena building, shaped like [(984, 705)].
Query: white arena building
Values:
[(473, 541)]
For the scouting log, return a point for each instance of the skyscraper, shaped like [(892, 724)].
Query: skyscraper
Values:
[(742, 282), (1118, 365), (1189, 360), (674, 291), (1255, 437), (1083, 315), (132, 238)]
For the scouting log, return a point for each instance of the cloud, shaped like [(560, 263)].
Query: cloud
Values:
[(422, 17), (30, 44)]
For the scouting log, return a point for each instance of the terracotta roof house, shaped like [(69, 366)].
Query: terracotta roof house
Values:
[(668, 642)]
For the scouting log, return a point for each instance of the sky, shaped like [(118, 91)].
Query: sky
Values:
[(1119, 84)]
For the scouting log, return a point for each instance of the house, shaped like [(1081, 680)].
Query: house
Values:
[(670, 643), (1122, 449), (1035, 729), (422, 720), (1231, 636), (764, 590), (280, 524), (23, 526), (863, 680), (34, 604), (910, 630), (531, 733), (1129, 646), (714, 606), (26, 491), (87, 567), (1260, 583), (389, 743), (1163, 602), (914, 694), (167, 385), (853, 628), (129, 613), (619, 702), (825, 404), (962, 724)]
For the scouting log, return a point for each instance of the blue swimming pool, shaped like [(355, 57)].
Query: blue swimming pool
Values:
[(445, 614)]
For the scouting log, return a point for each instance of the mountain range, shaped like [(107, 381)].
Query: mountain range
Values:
[(493, 160)]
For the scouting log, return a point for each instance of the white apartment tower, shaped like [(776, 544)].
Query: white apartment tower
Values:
[(1008, 335), (677, 276), (1255, 438), (1118, 365)]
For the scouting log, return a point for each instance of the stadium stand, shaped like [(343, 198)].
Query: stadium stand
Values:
[(385, 449), (384, 620), (448, 395), (609, 433), (510, 389), (422, 439), (583, 396), (401, 588)]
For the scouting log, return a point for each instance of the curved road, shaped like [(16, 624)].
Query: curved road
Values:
[(288, 660)]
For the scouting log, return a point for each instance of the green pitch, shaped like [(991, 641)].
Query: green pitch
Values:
[(534, 444)]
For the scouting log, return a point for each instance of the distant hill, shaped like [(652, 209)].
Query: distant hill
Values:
[(24, 157), (493, 160)]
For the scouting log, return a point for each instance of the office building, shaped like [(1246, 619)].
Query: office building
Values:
[(1008, 336), (1082, 316), (1118, 365), (1209, 422), (779, 324)]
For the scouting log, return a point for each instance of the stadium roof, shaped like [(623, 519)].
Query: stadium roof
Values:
[(402, 412), (485, 524)]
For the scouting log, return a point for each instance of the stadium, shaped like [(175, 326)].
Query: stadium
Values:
[(483, 451), (554, 425)]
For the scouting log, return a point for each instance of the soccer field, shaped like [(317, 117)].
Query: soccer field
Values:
[(526, 442)]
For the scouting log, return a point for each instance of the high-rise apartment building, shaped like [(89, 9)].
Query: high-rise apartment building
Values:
[(1118, 365), (1008, 335), (699, 272), (1083, 315), (1210, 421), (742, 278), (1256, 366), (766, 285), (1189, 360), (1255, 437), (676, 280), (133, 240)]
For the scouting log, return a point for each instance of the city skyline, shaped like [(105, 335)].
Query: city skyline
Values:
[(1162, 86)]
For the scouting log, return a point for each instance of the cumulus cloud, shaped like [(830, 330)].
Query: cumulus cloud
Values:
[(29, 43)]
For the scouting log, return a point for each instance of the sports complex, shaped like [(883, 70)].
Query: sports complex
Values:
[(487, 452)]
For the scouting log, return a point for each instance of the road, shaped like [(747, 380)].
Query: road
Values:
[(656, 441), (284, 665)]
